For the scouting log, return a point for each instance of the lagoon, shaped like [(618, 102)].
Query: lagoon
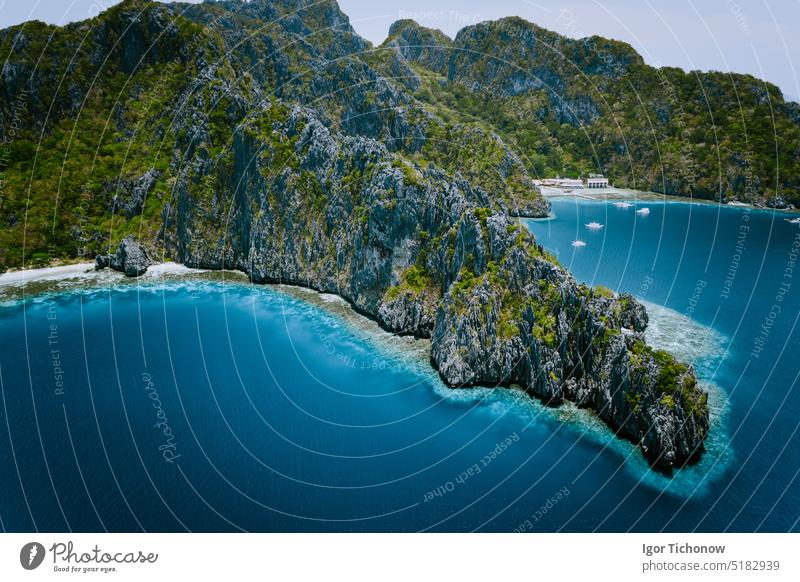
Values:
[(223, 406)]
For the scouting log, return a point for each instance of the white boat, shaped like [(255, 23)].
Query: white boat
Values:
[(623, 204), (594, 226), (578, 243), (643, 211), (793, 220)]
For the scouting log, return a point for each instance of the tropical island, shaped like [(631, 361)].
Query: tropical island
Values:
[(272, 139)]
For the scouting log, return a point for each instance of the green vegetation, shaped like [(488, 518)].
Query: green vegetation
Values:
[(89, 128), (604, 291), (415, 280), (710, 135), (674, 382), (544, 309)]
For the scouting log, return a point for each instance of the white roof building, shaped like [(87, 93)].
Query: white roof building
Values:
[(597, 181), (559, 182)]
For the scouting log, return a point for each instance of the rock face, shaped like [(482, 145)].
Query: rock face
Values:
[(528, 207), (130, 258), (427, 46), (130, 194)]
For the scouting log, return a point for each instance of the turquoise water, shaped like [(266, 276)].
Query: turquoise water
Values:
[(209, 406), (732, 271)]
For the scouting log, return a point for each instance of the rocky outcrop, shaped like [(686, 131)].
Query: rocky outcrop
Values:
[(426, 46), (777, 202), (566, 343), (408, 313), (129, 195), (130, 258)]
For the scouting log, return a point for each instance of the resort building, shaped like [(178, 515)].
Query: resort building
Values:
[(559, 182), (597, 181)]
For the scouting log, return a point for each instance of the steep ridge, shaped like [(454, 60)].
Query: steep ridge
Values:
[(593, 105)]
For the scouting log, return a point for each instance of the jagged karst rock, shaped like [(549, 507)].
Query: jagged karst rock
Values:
[(129, 195), (130, 258), (408, 313), (102, 262), (419, 44)]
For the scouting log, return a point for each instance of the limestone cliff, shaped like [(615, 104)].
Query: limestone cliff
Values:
[(268, 137)]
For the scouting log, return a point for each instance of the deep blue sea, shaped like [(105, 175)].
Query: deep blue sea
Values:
[(212, 406)]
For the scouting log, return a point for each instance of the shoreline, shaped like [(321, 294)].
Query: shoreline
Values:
[(405, 352), (630, 195), (22, 283), (40, 273), (86, 271), (62, 268)]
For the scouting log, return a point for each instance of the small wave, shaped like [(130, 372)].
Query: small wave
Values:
[(331, 298)]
